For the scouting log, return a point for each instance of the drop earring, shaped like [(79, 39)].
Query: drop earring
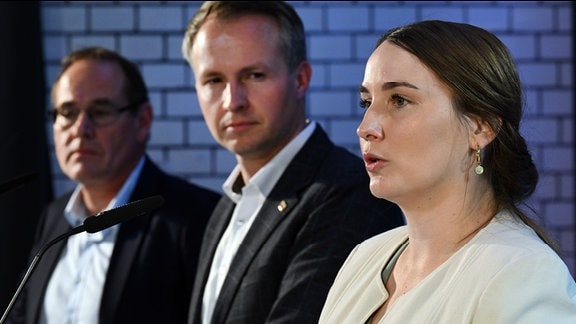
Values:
[(479, 168)]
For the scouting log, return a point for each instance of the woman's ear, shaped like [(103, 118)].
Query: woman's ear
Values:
[(481, 133)]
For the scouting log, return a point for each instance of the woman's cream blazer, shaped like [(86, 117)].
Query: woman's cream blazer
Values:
[(505, 274)]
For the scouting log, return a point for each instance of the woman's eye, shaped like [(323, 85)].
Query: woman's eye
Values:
[(364, 104), (399, 101)]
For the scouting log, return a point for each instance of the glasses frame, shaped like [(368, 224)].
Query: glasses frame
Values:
[(54, 112)]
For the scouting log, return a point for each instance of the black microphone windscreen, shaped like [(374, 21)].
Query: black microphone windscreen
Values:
[(122, 213)]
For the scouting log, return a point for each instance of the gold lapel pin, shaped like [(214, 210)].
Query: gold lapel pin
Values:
[(282, 205)]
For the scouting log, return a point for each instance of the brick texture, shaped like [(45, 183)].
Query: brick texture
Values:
[(340, 36)]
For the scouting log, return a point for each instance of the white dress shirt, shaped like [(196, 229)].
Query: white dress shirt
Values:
[(75, 287), (248, 203)]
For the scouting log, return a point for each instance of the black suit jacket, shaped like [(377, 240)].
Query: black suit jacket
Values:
[(318, 211), (155, 256)]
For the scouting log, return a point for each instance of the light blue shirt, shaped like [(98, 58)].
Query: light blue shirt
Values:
[(248, 203), (75, 288)]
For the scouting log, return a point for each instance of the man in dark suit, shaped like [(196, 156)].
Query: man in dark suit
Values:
[(295, 205), (142, 270)]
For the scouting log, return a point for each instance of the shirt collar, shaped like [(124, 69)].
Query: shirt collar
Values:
[(265, 179), (75, 210)]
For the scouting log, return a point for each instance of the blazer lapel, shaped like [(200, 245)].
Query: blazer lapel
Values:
[(126, 247), (214, 230), (277, 207), (271, 214), (128, 241)]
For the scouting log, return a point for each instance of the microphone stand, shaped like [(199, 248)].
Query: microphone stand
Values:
[(32, 266), (92, 224)]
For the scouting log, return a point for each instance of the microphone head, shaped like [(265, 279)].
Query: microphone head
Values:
[(122, 213)]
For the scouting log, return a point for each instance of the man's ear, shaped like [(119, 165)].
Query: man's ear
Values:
[(145, 117), (303, 76), (481, 133)]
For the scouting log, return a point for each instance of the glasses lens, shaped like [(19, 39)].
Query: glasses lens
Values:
[(65, 116), (100, 114)]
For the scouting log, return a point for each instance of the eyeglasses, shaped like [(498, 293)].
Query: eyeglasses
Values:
[(101, 114)]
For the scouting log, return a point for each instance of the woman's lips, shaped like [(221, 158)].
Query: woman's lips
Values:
[(373, 162)]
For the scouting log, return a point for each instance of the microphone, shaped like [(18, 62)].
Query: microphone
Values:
[(122, 213), (91, 224), (17, 181)]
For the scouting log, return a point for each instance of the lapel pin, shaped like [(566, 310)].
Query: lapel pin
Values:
[(282, 205)]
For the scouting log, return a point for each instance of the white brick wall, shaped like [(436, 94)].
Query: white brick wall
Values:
[(341, 35)]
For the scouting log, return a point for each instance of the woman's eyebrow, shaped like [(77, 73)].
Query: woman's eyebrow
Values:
[(389, 85)]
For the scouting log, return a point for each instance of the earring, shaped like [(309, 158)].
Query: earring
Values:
[(479, 168)]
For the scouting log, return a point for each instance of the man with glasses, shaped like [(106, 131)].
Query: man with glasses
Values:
[(140, 271)]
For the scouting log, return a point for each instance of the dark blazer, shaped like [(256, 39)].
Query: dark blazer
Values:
[(152, 267), (318, 211)]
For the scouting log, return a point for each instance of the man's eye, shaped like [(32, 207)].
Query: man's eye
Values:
[(256, 75), (69, 113), (213, 81), (100, 112), (101, 109)]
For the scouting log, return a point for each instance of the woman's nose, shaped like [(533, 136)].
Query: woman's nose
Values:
[(369, 128)]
